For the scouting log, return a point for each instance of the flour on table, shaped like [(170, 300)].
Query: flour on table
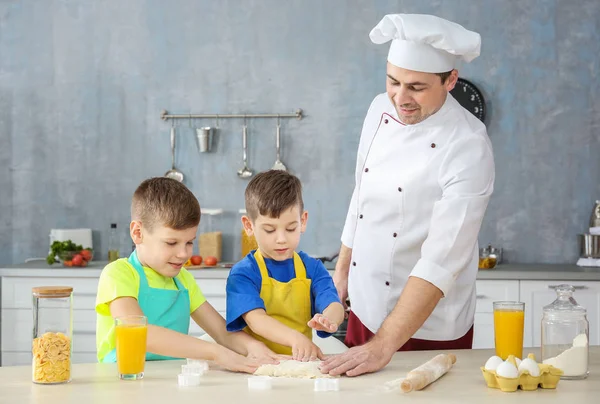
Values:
[(292, 368)]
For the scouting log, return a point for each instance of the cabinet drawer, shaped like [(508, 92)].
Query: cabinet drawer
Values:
[(218, 302), (537, 294), (16, 292), (212, 287), (483, 331), (17, 337), (493, 291)]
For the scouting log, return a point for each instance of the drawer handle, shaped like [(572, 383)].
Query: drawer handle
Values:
[(578, 287), (84, 294), (481, 296), (84, 332)]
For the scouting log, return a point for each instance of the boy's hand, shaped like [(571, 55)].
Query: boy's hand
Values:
[(305, 350), (235, 362), (261, 353), (321, 323)]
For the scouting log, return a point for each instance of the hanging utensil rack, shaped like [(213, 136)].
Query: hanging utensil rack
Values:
[(164, 115)]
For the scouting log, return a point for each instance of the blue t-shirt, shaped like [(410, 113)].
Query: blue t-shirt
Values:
[(244, 284)]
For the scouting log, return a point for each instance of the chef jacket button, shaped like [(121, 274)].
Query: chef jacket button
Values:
[(360, 216), (433, 145), (385, 121), (387, 283), (354, 263), (395, 234), (366, 170), (399, 189)]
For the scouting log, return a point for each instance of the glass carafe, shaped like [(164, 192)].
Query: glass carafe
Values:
[(565, 335)]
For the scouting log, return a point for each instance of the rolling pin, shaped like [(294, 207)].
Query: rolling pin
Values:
[(428, 372)]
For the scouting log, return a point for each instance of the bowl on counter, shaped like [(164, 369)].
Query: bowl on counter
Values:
[(76, 258), (489, 257)]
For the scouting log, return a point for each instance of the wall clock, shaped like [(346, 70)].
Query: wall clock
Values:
[(469, 96)]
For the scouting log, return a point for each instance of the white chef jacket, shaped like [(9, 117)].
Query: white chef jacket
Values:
[(420, 196)]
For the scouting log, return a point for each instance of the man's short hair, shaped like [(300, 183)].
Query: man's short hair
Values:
[(444, 76)]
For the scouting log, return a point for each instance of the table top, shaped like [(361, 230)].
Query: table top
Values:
[(98, 383)]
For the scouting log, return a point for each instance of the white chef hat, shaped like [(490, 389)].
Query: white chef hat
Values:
[(426, 43)]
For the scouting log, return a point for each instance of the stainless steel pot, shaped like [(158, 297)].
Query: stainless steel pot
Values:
[(589, 245)]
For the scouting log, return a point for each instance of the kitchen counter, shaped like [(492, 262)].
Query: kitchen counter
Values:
[(98, 383), (501, 272)]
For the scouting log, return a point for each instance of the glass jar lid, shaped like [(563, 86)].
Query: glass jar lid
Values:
[(52, 291), (564, 303)]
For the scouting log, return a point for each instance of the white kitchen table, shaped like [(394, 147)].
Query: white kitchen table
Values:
[(98, 383)]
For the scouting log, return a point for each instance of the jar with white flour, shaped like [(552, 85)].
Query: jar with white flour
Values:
[(565, 335)]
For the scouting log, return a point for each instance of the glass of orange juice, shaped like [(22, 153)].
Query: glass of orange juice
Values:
[(508, 328), (131, 333)]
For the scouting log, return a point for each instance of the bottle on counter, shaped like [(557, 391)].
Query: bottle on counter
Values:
[(51, 347), (565, 335), (113, 243)]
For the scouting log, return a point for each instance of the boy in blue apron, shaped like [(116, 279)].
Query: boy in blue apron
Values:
[(152, 282), (276, 294)]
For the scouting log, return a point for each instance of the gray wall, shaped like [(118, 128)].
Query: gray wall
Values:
[(82, 84)]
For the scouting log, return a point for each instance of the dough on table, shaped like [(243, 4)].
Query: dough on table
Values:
[(292, 368)]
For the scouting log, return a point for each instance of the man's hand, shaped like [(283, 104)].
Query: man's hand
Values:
[(340, 280), (305, 350), (366, 358), (321, 323), (259, 352)]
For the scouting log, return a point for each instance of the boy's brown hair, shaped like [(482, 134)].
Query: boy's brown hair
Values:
[(167, 202), (272, 192)]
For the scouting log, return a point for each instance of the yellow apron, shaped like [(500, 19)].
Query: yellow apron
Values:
[(289, 303)]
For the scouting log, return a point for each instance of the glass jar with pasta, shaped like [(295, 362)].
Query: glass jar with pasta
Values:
[(51, 347)]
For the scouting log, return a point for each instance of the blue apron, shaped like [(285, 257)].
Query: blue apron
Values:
[(163, 307)]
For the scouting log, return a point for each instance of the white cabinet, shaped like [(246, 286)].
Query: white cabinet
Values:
[(487, 293), (17, 318), (537, 294)]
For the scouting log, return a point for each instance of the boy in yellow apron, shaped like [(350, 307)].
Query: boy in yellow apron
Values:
[(276, 294), (152, 282)]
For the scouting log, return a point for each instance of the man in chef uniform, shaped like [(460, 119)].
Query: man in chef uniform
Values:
[(424, 176)]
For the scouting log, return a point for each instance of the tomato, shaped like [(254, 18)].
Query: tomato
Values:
[(68, 263), (84, 263), (196, 260), (210, 261), (86, 254), (77, 260)]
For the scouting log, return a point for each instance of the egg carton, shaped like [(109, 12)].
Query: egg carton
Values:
[(548, 378)]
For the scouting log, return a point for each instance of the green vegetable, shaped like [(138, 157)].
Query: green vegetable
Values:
[(58, 247)]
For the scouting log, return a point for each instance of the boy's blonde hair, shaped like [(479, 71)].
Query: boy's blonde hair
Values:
[(272, 192), (164, 201)]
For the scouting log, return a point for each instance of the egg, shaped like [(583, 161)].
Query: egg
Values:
[(493, 363), (531, 366), (507, 370), (518, 361)]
